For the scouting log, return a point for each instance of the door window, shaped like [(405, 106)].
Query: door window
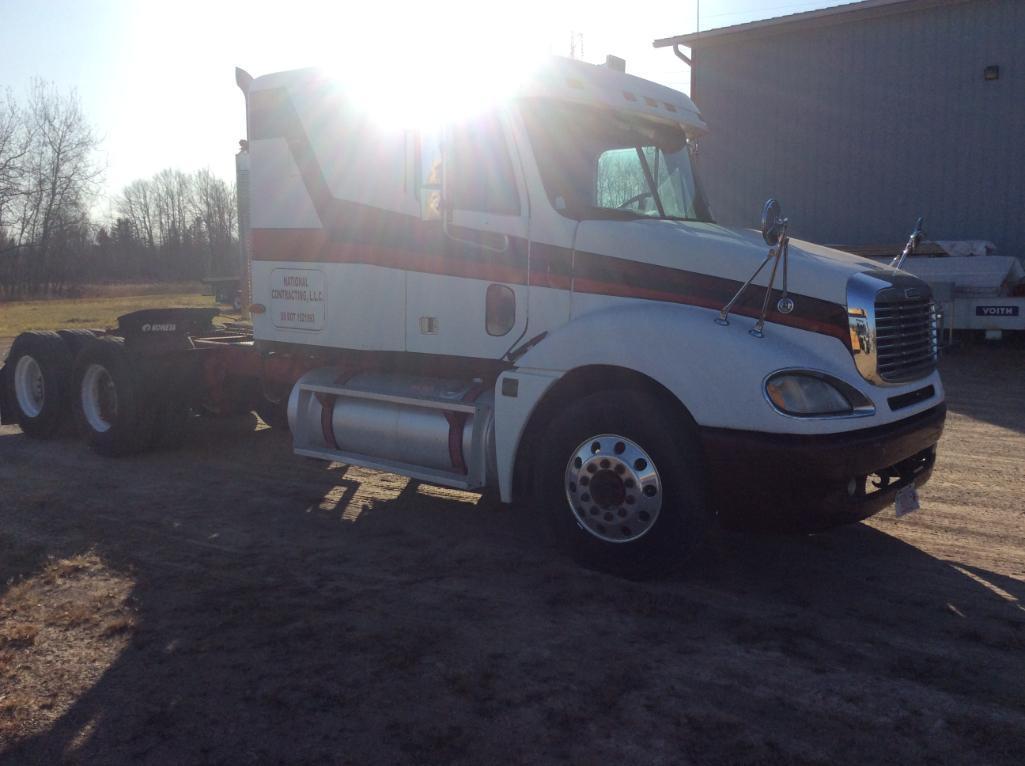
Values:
[(480, 174)]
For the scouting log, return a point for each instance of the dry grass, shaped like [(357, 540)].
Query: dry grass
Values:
[(121, 290), (18, 316), (60, 629), (129, 289), (17, 635)]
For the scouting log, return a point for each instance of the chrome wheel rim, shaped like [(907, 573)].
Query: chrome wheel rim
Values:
[(99, 398), (613, 488), (29, 387)]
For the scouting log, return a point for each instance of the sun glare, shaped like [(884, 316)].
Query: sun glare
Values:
[(436, 69)]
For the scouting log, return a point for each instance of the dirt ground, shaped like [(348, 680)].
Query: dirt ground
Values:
[(228, 602)]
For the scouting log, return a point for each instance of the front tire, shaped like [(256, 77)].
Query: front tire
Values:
[(110, 401), (622, 484), (38, 379)]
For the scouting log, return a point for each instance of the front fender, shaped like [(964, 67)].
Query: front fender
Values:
[(716, 371)]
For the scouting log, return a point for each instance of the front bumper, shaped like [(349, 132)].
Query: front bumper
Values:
[(817, 482)]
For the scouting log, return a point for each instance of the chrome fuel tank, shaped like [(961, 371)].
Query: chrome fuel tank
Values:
[(392, 417)]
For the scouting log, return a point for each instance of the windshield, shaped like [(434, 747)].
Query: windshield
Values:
[(597, 163)]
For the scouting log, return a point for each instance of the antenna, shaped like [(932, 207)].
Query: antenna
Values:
[(576, 45)]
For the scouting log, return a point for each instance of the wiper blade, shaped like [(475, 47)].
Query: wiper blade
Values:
[(651, 181)]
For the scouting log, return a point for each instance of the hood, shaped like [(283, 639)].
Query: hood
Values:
[(717, 251)]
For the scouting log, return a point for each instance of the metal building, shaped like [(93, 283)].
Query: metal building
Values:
[(861, 117)]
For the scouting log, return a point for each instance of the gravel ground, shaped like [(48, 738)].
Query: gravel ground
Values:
[(228, 602)]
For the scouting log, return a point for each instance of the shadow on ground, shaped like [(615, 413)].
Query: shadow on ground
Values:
[(987, 383), (288, 612)]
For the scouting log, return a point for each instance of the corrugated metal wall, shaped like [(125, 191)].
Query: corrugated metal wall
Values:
[(861, 126)]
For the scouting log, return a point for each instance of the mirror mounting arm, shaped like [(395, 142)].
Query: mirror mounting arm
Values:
[(910, 247), (782, 251), (724, 312), (774, 232)]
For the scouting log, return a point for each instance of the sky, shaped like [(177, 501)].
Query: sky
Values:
[(156, 78)]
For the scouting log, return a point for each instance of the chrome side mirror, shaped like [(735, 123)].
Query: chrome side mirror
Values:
[(772, 222)]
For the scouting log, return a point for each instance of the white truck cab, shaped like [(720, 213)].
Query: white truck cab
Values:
[(534, 299), (538, 299)]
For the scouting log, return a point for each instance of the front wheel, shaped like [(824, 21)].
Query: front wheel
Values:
[(622, 483)]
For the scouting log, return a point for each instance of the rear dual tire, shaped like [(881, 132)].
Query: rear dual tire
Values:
[(75, 339), (110, 403), (38, 377)]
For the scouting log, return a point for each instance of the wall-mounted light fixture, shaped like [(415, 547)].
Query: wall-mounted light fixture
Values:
[(992, 72)]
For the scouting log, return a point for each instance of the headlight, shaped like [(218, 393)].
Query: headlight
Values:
[(812, 394)]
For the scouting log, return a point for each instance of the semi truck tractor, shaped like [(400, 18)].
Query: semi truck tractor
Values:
[(534, 299)]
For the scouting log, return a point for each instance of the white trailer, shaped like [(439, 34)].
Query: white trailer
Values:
[(537, 299), (981, 292)]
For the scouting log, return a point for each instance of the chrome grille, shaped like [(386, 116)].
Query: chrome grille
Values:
[(905, 338)]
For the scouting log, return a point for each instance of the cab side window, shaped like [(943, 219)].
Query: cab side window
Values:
[(480, 173)]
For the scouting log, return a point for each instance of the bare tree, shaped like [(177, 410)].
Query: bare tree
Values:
[(215, 201), (186, 222), (174, 225), (14, 141), (135, 205), (54, 177)]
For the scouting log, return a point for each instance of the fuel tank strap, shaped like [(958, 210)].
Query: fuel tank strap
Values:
[(327, 407), (456, 423)]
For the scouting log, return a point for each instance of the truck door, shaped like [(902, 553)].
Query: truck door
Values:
[(471, 298)]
